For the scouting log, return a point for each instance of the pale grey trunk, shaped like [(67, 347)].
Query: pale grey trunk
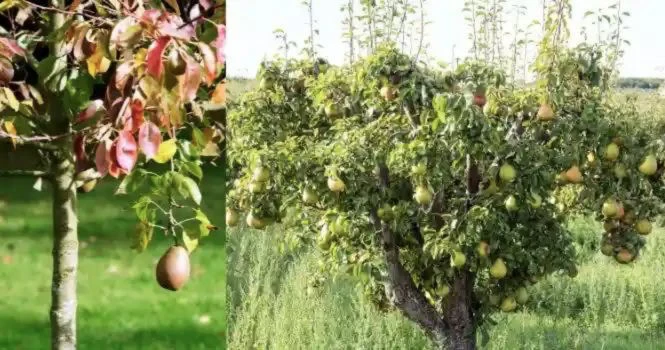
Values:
[(65, 255)]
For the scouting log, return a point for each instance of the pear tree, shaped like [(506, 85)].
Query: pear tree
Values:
[(130, 90)]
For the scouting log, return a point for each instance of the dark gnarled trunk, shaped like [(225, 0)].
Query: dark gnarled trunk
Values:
[(65, 255)]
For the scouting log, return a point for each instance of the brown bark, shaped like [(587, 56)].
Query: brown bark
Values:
[(65, 255)]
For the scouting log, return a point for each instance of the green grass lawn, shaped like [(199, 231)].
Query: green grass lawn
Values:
[(120, 305), (608, 306)]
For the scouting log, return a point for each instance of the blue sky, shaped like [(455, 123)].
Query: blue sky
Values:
[(251, 24)]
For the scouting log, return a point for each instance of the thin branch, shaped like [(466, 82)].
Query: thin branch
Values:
[(25, 173)]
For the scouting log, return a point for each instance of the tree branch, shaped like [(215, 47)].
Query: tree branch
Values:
[(39, 142), (405, 295), (25, 173)]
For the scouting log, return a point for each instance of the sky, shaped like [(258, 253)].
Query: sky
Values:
[(251, 24)]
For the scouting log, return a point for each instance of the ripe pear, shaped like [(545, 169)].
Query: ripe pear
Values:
[(256, 187), (511, 203), (508, 304), (507, 173), (591, 159), (607, 249), (324, 238), (309, 197), (624, 256), (255, 222), (443, 291), (332, 110), (649, 166), (389, 93), (458, 260), (419, 169), (336, 184), (620, 171), (498, 269), (173, 269), (492, 188), (386, 213), (423, 196), (521, 295), (643, 227), (574, 175), (620, 212), (545, 112), (612, 152), (260, 174), (231, 217), (483, 249), (610, 208), (266, 84), (536, 200)]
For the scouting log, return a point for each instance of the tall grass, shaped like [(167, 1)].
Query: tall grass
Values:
[(607, 306)]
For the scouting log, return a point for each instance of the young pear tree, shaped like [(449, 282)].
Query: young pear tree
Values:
[(109, 88)]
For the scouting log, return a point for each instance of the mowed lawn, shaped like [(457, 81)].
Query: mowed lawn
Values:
[(120, 305)]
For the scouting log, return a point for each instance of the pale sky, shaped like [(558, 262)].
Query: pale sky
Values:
[(251, 24)]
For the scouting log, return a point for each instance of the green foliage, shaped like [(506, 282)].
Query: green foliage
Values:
[(435, 134)]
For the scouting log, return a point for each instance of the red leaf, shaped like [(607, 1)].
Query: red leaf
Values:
[(79, 148), (149, 139), (153, 60), (208, 63), (122, 74), (9, 48), (136, 118), (126, 151), (171, 25), (121, 28), (102, 157), (6, 70), (190, 81), (151, 16), (113, 167), (219, 43), (90, 111)]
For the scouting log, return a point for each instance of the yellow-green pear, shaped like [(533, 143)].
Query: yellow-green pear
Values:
[(507, 173), (649, 166), (643, 227), (498, 269), (612, 151), (508, 304)]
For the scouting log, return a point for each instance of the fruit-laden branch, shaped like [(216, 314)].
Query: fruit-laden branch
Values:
[(405, 295)]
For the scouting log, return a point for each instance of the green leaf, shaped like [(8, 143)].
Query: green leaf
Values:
[(132, 181), (205, 225), (11, 99), (142, 207), (193, 168), (142, 235), (193, 189), (190, 242)]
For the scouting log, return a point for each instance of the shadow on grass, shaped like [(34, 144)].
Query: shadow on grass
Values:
[(35, 334)]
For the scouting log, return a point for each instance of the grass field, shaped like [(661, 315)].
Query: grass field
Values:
[(120, 305), (608, 306)]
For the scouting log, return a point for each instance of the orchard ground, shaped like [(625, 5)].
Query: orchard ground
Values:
[(607, 306), (120, 305)]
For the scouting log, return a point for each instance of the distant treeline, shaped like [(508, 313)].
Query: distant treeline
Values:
[(640, 83)]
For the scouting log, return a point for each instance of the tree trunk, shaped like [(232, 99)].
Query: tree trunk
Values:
[(458, 315), (65, 255)]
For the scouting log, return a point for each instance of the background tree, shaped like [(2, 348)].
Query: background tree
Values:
[(107, 88)]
